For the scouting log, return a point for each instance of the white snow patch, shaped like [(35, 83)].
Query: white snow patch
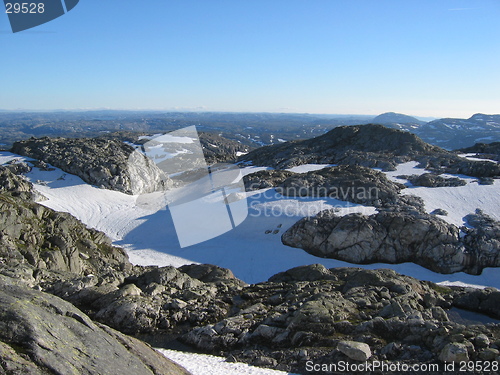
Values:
[(250, 169), (6, 157), (490, 138), (168, 138), (459, 201), (203, 364), (304, 168), (472, 157)]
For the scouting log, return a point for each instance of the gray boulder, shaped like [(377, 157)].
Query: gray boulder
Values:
[(17, 186), (454, 352), (42, 334), (358, 351)]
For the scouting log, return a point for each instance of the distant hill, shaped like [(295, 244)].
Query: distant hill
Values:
[(369, 145), (455, 133), (392, 118), (448, 133)]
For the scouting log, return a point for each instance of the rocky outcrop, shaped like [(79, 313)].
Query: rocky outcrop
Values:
[(36, 238), (484, 150), (311, 313), (218, 149), (444, 163), (351, 183), (153, 299), (106, 163), (266, 179), (399, 236), (433, 180), (16, 186), (42, 334)]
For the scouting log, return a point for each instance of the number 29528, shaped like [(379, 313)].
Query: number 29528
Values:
[(25, 8)]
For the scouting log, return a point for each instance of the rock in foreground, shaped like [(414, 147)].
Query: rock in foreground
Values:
[(311, 313), (42, 334)]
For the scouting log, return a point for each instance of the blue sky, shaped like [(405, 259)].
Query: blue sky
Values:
[(424, 58)]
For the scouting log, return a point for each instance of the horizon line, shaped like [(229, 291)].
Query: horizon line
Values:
[(82, 110)]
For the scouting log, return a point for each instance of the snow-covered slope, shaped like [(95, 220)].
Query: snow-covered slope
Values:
[(202, 364), (458, 201)]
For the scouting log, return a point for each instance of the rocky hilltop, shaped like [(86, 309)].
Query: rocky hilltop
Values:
[(397, 120), (373, 146), (106, 163), (365, 145)]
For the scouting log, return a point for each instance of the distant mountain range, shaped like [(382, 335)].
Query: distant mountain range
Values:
[(448, 133), (452, 133), (249, 129)]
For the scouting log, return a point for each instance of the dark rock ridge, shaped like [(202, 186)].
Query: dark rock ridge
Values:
[(484, 150), (373, 146), (433, 180), (42, 334), (352, 183), (391, 236), (106, 163)]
